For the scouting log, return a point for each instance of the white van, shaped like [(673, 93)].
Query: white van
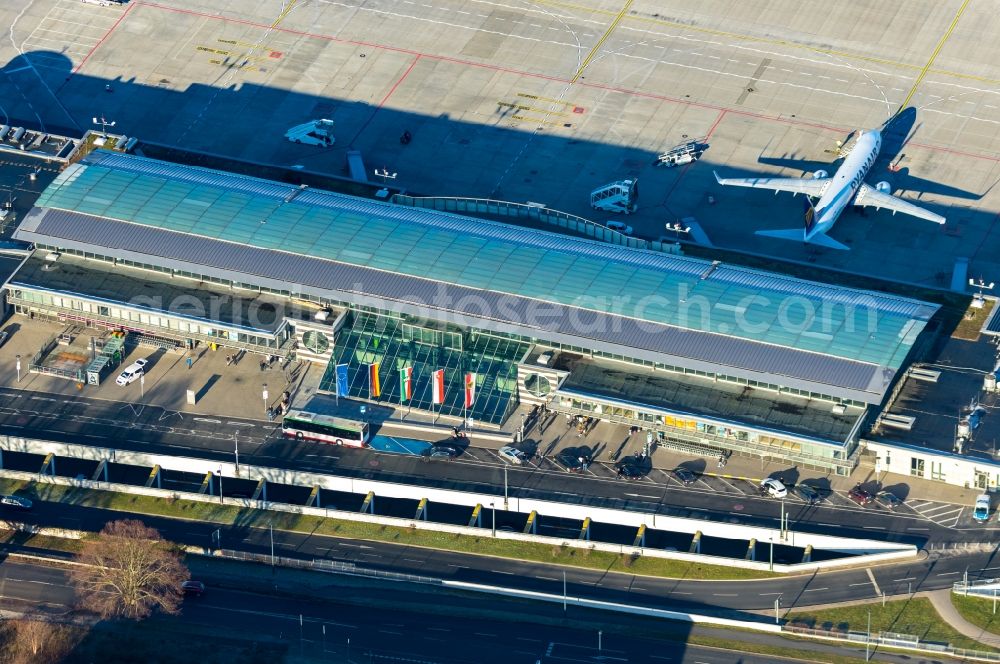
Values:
[(981, 512)]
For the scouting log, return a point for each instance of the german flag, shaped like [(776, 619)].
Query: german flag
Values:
[(374, 388)]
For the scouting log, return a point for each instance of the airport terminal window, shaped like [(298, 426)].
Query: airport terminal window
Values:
[(315, 341), (937, 470), (537, 385), (916, 467)]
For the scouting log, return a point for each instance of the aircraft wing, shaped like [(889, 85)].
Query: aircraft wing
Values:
[(872, 197), (809, 186)]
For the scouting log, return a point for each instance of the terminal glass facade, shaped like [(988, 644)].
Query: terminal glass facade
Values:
[(393, 344)]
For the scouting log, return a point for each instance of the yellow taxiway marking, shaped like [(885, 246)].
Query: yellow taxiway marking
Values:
[(600, 42), (774, 42), (937, 50)]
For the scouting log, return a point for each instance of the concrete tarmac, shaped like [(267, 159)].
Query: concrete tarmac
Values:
[(544, 103)]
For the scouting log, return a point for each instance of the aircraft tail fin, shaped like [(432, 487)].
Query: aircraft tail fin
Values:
[(798, 235)]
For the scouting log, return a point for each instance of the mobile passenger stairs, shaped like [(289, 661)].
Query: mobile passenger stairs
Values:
[(618, 197)]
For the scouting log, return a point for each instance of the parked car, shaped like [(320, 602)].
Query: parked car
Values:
[(808, 493), (443, 452), (628, 471), (861, 496), (4, 335), (683, 475), (17, 502), (773, 487), (132, 372), (981, 512), (573, 462), (888, 500), (193, 588), (512, 455), (619, 226)]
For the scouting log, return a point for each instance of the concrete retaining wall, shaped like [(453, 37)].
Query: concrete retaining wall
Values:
[(872, 549)]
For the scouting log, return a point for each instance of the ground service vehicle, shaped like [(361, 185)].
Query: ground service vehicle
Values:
[(300, 424), (317, 132)]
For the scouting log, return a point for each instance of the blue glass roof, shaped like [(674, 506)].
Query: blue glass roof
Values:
[(643, 285)]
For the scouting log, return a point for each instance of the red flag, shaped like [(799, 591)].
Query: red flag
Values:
[(470, 389), (438, 386)]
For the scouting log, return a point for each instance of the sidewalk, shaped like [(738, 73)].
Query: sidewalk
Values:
[(941, 599)]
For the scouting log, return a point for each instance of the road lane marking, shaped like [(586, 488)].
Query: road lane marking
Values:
[(871, 576), (814, 590)]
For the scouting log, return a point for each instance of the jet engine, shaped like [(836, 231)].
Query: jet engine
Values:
[(884, 187), (819, 175)]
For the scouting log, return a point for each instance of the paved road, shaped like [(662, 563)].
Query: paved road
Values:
[(365, 621), (730, 598), (151, 428)]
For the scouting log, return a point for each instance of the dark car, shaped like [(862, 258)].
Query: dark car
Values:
[(573, 462), (628, 471), (809, 494), (683, 475), (444, 452), (861, 496), (16, 502), (888, 500), (193, 588)]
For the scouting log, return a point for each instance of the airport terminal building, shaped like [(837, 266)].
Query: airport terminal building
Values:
[(709, 356)]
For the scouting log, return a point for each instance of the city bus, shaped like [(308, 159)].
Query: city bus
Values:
[(303, 425)]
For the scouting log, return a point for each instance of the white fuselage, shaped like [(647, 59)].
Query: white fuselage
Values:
[(845, 183)]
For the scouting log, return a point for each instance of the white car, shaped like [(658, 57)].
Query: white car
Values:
[(132, 371), (772, 487), (619, 226), (511, 454)]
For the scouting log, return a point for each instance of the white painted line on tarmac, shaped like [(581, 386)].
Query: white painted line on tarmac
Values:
[(909, 578), (947, 573), (878, 591), (814, 590)]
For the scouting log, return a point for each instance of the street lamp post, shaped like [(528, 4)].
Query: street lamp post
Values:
[(19, 368), (868, 639), (771, 564), (264, 393), (505, 487), (104, 125), (236, 443), (521, 436), (782, 524), (270, 528), (220, 483), (493, 510), (385, 175), (600, 645)]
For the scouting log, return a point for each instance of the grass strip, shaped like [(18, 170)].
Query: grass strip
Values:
[(915, 616), (331, 526), (978, 611)]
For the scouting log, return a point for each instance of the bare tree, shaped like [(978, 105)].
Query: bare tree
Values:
[(129, 571), (36, 640)]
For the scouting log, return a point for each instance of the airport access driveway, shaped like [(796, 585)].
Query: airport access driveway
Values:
[(730, 598), (364, 620), (153, 429)]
